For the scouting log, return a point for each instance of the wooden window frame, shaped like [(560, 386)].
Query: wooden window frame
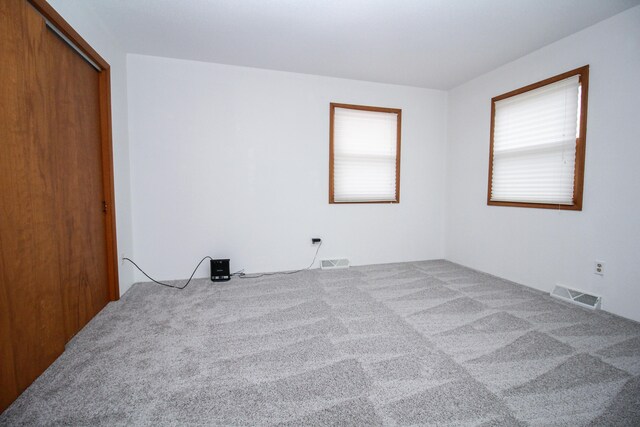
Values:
[(396, 111), (578, 178)]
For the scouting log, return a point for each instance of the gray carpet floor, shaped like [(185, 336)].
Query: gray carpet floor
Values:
[(421, 343)]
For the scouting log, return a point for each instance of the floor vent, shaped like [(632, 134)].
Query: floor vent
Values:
[(331, 264), (577, 297)]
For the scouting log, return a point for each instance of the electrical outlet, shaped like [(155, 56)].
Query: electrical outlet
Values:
[(316, 240), (598, 268)]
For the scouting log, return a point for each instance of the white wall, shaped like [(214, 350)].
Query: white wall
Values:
[(538, 247), (233, 162), (89, 26)]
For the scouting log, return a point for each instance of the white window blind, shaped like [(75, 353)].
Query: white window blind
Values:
[(534, 144), (364, 155)]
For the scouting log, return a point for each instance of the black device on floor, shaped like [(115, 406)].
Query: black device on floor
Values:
[(220, 270)]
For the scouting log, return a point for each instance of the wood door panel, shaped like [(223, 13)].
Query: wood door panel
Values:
[(75, 133), (31, 300), (53, 250)]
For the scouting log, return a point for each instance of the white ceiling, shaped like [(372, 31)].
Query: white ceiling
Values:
[(436, 44)]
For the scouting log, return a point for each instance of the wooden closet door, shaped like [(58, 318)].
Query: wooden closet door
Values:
[(53, 268), (74, 133)]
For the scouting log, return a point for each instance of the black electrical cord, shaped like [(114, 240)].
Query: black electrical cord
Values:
[(244, 276), (166, 284), (237, 273)]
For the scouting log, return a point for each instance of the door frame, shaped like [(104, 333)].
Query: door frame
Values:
[(49, 13)]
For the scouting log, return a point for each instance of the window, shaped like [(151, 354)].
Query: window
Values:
[(364, 157), (538, 143)]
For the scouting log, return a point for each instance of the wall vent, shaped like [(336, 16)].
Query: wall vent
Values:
[(331, 264), (577, 297)]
